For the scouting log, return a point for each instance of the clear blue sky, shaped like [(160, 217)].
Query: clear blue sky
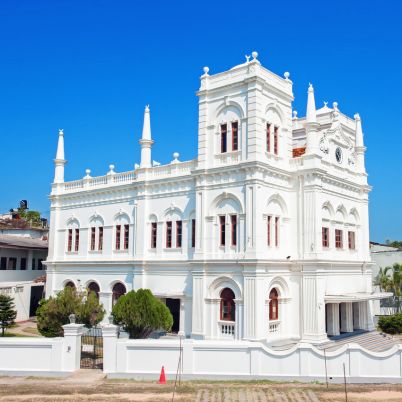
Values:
[(89, 67)]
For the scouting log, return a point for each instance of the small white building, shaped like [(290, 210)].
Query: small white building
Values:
[(263, 236), (21, 271)]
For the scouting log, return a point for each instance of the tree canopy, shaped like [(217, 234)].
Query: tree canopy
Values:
[(7, 312), (54, 312), (140, 313)]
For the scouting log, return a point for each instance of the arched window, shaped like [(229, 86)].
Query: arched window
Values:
[(227, 305), (94, 287), (273, 305), (69, 284), (118, 290)]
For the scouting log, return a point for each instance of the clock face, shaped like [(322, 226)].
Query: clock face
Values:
[(338, 155)]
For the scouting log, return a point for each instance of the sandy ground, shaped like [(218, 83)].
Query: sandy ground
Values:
[(91, 385)]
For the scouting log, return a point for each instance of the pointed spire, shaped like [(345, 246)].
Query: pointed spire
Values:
[(59, 162), (146, 140), (359, 131), (311, 111), (60, 146), (146, 129)]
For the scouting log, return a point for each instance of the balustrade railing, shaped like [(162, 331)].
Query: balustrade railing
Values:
[(227, 329), (274, 326)]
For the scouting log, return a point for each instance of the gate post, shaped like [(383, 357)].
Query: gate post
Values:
[(72, 346), (109, 334)]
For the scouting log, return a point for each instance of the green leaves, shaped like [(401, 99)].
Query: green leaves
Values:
[(54, 312), (391, 324), (140, 313), (7, 312)]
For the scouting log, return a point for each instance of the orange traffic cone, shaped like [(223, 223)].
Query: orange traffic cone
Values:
[(162, 377)]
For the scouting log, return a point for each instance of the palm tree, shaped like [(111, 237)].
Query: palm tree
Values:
[(395, 282), (383, 280)]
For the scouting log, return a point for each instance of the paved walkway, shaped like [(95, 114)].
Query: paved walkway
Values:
[(374, 341), (251, 394)]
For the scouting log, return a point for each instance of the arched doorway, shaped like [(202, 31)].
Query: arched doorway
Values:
[(93, 287), (118, 290), (273, 305), (227, 309), (69, 284)]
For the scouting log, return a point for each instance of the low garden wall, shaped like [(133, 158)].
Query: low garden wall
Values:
[(143, 359), (42, 356)]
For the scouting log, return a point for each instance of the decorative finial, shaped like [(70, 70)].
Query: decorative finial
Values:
[(295, 114), (88, 172), (255, 55), (61, 131), (247, 58), (357, 116), (206, 70), (335, 105), (286, 75), (325, 104), (175, 157), (111, 169), (310, 86), (146, 108)]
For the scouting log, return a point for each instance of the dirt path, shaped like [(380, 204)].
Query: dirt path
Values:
[(91, 385)]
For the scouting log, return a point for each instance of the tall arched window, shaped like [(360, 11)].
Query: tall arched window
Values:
[(273, 305), (94, 287), (118, 290), (69, 284), (227, 305)]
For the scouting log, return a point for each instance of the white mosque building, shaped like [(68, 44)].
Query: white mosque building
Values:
[(263, 236)]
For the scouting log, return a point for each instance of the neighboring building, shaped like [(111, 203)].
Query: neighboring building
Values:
[(384, 256), (21, 271), (263, 236)]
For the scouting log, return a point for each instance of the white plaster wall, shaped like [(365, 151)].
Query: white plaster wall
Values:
[(140, 358)]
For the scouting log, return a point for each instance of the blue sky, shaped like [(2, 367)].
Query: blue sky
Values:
[(90, 67)]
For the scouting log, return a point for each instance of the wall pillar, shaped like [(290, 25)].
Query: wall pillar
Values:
[(346, 317), (239, 319), (105, 298), (312, 309), (72, 346), (332, 317), (198, 330), (109, 334)]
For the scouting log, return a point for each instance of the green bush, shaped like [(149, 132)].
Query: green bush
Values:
[(391, 324), (140, 313), (54, 312), (7, 312)]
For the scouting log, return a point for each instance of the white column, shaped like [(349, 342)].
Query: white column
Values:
[(198, 307), (332, 317), (182, 318), (239, 319), (72, 347), (313, 309), (346, 317), (109, 334)]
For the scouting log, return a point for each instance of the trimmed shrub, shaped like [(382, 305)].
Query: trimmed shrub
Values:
[(54, 312), (7, 312), (140, 313), (391, 324)]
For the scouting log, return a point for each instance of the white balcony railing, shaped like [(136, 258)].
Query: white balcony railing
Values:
[(274, 326), (227, 329), (227, 158)]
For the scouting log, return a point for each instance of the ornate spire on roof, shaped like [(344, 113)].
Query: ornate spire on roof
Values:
[(146, 140), (59, 162), (311, 116), (359, 131), (146, 129)]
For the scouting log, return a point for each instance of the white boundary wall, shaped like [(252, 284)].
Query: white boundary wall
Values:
[(42, 356), (246, 360)]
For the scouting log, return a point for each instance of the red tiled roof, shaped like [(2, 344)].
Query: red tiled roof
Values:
[(299, 152)]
